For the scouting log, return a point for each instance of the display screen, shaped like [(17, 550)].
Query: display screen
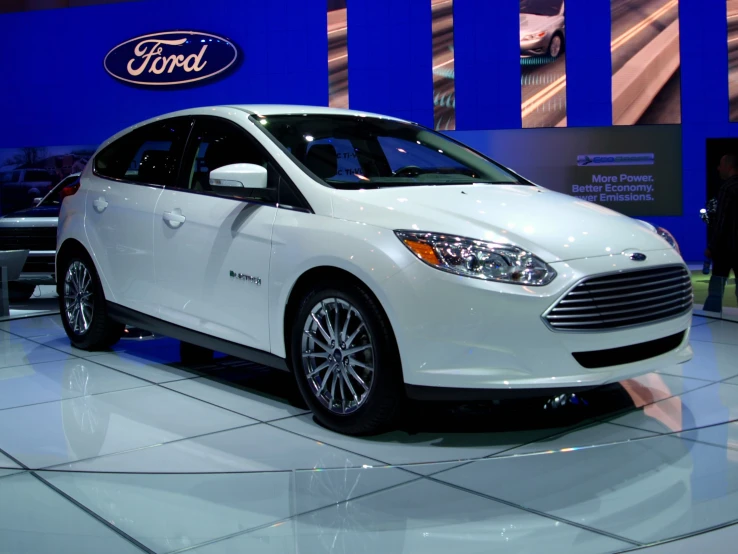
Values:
[(338, 92), (733, 58), (646, 76), (634, 170), (543, 63), (444, 90)]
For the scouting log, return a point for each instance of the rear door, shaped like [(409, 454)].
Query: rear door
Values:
[(128, 177)]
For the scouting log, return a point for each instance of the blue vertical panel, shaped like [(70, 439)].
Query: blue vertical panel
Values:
[(588, 63), (487, 64), (62, 95), (391, 58)]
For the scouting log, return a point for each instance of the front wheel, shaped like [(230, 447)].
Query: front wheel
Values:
[(82, 306), (345, 360), (556, 46)]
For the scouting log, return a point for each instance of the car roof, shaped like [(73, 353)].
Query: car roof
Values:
[(290, 109)]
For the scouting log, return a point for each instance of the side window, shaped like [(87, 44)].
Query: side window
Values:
[(215, 143), (149, 155), (403, 153)]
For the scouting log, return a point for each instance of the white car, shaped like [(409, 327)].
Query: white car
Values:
[(542, 28), (374, 258)]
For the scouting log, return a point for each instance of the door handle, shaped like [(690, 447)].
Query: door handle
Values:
[(100, 204), (174, 218)]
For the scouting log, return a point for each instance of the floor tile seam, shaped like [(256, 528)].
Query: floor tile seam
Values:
[(217, 405), (540, 513), (73, 398), (54, 467), (678, 538), (293, 517), (676, 433), (117, 530)]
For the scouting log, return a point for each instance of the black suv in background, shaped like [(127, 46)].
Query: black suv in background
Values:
[(34, 229)]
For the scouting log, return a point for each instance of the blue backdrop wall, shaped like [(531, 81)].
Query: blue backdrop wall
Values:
[(56, 92)]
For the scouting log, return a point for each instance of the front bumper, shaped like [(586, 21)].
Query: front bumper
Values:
[(459, 333), (536, 47)]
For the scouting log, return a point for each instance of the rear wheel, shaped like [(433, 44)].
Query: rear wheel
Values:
[(20, 292), (82, 305), (345, 360)]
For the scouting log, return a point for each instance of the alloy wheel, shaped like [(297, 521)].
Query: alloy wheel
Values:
[(78, 298), (338, 356), (555, 48)]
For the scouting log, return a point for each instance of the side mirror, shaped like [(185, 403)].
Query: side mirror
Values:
[(235, 176), (37, 201)]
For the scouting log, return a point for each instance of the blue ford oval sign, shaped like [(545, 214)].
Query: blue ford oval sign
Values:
[(171, 58)]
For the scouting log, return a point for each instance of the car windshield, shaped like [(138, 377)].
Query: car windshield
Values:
[(353, 152), (541, 7)]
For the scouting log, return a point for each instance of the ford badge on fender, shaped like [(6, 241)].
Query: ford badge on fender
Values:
[(171, 58)]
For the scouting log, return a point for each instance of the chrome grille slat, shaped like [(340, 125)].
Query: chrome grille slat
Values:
[(628, 286), (625, 299), (678, 286), (606, 308)]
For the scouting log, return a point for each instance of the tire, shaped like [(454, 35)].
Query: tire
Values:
[(556, 46), (20, 292), (364, 409), (96, 330)]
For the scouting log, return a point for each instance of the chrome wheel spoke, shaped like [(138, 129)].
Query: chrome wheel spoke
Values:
[(318, 342), (362, 365), (350, 340), (350, 386), (358, 379), (318, 369), (325, 378), (345, 325), (323, 332), (315, 354), (328, 321), (356, 349)]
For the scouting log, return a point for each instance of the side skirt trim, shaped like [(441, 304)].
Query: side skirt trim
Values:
[(160, 327)]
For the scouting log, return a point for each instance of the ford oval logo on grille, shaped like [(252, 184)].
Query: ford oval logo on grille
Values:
[(638, 257), (171, 58)]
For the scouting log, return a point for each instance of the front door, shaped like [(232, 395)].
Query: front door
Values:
[(128, 177), (212, 252)]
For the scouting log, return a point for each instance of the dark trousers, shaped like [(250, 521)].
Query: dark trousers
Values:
[(719, 278)]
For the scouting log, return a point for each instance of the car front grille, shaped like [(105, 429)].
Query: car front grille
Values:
[(623, 299), (28, 238)]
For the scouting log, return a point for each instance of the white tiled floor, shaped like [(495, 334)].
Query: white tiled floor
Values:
[(133, 451)]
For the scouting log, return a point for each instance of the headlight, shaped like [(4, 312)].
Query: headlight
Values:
[(668, 237), (479, 259), (534, 36)]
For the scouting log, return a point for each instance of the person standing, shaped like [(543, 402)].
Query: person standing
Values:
[(723, 245)]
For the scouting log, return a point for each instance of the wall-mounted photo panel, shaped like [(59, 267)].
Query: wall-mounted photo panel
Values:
[(338, 92), (444, 91), (733, 58), (646, 76), (543, 63)]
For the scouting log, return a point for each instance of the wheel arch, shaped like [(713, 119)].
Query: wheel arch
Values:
[(68, 247), (305, 282)]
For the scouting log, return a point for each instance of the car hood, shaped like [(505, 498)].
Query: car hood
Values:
[(533, 23), (556, 227), (38, 211)]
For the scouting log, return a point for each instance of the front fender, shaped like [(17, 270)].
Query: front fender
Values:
[(302, 242)]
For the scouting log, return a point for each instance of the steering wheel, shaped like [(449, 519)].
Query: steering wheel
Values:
[(408, 171)]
